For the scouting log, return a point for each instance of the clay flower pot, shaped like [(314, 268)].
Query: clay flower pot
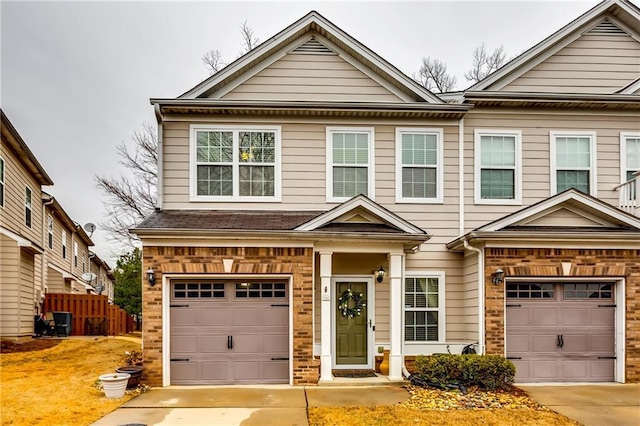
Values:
[(135, 372), (114, 384)]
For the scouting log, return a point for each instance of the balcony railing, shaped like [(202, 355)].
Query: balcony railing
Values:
[(628, 195)]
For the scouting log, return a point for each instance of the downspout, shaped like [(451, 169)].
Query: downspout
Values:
[(461, 176), (159, 175), (43, 259), (468, 246)]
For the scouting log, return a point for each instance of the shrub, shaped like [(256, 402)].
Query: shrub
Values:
[(489, 372)]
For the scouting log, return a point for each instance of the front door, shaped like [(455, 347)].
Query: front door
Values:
[(352, 328)]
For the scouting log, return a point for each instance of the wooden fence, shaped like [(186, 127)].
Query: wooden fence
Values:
[(90, 314)]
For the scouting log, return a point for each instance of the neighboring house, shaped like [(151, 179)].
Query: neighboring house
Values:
[(292, 178), (61, 236), (21, 228), (104, 281)]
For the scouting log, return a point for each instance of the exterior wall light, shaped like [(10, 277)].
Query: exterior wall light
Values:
[(380, 274), (497, 277), (151, 277)]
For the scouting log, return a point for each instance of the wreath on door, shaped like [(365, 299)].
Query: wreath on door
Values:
[(351, 304)]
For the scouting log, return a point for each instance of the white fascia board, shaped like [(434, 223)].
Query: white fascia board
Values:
[(559, 199), (359, 201), (631, 88), (65, 275), (21, 241)]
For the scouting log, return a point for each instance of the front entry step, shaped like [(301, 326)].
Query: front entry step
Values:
[(354, 373)]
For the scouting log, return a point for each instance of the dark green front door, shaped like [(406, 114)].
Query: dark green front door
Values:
[(351, 324)]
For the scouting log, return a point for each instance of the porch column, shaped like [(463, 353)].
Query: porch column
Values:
[(395, 313), (325, 313)]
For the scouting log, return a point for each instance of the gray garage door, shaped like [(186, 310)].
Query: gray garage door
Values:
[(561, 332), (229, 332)]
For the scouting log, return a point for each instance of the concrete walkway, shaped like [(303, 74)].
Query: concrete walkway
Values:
[(246, 406), (591, 405)]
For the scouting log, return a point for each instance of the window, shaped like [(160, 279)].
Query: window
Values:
[(27, 206), (419, 172), (498, 174), (75, 254), (349, 163), (84, 262), (64, 244), (530, 291), (424, 308), (1, 182), (260, 290), (196, 290), (50, 230), (235, 163), (573, 162), (588, 291), (629, 159)]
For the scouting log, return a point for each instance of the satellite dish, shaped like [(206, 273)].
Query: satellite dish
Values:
[(99, 289), (90, 227), (89, 276)]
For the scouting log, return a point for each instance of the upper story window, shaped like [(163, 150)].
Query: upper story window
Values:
[(75, 254), (573, 162), (419, 170), (350, 157), (629, 155), (64, 244), (84, 261), (1, 182), (498, 171), (239, 163), (27, 206), (424, 307), (50, 230)]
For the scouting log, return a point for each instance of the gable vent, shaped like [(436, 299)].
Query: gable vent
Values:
[(313, 46), (606, 27)]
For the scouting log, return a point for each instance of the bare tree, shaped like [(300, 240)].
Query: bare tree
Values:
[(213, 60), (484, 64), (129, 200), (248, 39), (433, 76)]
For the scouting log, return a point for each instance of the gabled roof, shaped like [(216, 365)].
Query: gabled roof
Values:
[(626, 13), (313, 22), (568, 216), (22, 151)]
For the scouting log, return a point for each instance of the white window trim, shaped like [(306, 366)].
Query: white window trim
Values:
[(193, 176), (439, 198), (75, 254), (30, 225), (2, 180), (593, 167), (623, 153), (64, 244), (370, 167), (517, 176), (442, 326), (50, 231)]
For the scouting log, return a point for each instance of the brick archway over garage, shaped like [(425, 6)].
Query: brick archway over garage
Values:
[(296, 262), (585, 263)]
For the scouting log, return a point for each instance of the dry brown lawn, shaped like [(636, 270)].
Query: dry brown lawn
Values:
[(55, 386), (405, 416)]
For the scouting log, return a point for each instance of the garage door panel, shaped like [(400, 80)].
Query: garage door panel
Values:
[(185, 344), (214, 344), (544, 369), (569, 326), (545, 317), (228, 340)]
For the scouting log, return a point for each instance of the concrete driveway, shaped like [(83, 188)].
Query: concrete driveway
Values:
[(591, 405), (246, 406)]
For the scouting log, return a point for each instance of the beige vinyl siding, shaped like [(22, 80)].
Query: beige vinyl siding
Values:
[(470, 278), (9, 286), (13, 214), (308, 77), (82, 248), (56, 283), (25, 293), (535, 126), (594, 63)]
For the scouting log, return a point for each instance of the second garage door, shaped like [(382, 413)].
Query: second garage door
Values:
[(561, 332), (229, 332)]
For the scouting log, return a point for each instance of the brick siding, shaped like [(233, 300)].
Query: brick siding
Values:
[(296, 262), (547, 263)]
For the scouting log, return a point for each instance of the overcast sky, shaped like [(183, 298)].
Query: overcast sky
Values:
[(76, 77)]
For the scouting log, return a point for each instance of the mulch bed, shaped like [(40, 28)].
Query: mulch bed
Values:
[(354, 373), (8, 347), (475, 399)]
